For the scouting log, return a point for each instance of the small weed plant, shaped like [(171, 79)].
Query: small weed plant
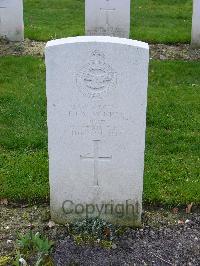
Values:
[(33, 247), (94, 231)]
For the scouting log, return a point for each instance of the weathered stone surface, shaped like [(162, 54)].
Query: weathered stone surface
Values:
[(96, 127), (107, 18), (11, 20), (196, 24)]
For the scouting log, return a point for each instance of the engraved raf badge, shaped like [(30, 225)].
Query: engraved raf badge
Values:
[(97, 77)]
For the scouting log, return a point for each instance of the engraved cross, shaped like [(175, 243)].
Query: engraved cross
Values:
[(107, 11), (96, 158)]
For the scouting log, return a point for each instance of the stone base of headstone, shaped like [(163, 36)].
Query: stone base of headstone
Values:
[(122, 213)]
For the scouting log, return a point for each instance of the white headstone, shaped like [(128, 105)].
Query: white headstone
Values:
[(96, 127), (196, 24), (11, 20), (107, 18)]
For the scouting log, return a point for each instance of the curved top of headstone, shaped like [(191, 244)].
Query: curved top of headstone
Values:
[(99, 39)]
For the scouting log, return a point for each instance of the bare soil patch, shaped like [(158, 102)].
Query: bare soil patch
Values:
[(174, 52), (27, 47), (166, 238), (157, 51)]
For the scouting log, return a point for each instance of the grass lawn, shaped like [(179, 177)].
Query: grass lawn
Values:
[(155, 21), (172, 162)]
